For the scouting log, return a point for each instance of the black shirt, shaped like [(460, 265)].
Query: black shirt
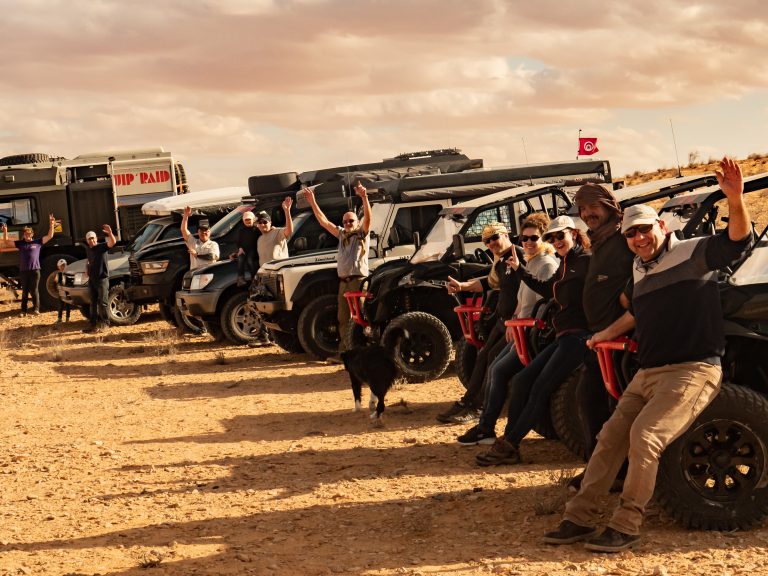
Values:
[(609, 270), (97, 263), (247, 238)]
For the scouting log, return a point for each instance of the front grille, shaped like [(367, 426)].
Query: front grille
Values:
[(269, 281), (69, 280), (135, 270)]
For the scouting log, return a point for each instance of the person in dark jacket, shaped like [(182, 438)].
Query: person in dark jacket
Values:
[(496, 237), (532, 387)]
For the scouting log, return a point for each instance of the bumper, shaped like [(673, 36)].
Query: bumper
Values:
[(271, 307), (198, 303), (144, 293), (75, 295)]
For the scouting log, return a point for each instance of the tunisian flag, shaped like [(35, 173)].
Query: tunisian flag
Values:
[(587, 146)]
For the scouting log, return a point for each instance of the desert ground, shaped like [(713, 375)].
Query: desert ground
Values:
[(143, 451)]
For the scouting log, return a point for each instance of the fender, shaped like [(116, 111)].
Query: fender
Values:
[(315, 283)]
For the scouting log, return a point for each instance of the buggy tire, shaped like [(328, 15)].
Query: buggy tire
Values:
[(239, 320), (287, 341), (421, 345), (565, 417), (319, 327), (272, 183), (181, 178), (24, 159), (49, 293), (355, 336), (713, 477), (464, 358), (120, 310)]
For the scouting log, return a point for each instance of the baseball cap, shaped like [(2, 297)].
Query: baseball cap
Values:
[(263, 216), (90, 234), (638, 215), (61, 262), (560, 223), (248, 216), (203, 225), (494, 228)]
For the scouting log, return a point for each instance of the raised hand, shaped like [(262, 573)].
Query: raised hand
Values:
[(107, 229), (360, 190), (512, 261), (730, 179), (187, 211), (309, 195)]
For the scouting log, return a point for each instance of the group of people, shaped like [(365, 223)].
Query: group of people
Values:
[(627, 273)]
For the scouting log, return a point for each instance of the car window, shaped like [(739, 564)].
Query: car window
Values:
[(410, 219), (754, 269), (18, 212), (173, 232)]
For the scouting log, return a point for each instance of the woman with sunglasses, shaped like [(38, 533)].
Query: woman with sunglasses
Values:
[(540, 262), (531, 388)]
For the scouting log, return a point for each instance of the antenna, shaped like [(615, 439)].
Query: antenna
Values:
[(674, 142), (525, 152)]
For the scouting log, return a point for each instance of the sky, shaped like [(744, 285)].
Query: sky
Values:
[(235, 88)]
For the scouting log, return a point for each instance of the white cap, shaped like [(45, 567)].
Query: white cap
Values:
[(61, 262), (560, 223), (638, 215), (90, 234)]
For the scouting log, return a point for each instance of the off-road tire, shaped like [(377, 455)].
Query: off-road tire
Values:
[(287, 341), (565, 415), (181, 178), (272, 183), (239, 320), (713, 477), (168, 313), (24, 159), (120, 310), (464, 358), (49, 293), (421, 345), (319, 327)]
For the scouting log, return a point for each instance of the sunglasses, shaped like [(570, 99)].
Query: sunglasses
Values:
[(350, 221), (262, 221), (531, 238), (643, 229), (491, 239), (554, 237)]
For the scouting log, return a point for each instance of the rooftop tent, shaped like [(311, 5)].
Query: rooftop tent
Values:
[(213, 197)]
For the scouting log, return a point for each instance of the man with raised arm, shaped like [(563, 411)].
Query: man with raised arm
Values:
[(674, 299), (352, 258), (98, 277)]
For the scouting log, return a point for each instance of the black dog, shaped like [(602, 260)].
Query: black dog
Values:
[(374, 366)]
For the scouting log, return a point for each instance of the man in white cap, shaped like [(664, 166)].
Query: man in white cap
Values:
[(247, 238), (676, 306), (98, 277)]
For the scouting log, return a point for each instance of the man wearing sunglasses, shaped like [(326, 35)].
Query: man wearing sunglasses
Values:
[(679, 328), (352, 258), (496, 237)]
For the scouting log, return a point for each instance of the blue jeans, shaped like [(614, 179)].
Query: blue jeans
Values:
[(502, 369), (535, 384)]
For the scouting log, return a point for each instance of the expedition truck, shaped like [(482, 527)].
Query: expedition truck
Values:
[(212, 294), (211, 205), (83, 193), (297, 296)]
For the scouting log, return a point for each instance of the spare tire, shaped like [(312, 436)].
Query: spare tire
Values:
[(273, 183), (181, 178), (24, 159)]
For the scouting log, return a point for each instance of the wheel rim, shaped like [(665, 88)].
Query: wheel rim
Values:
[(120, 307), (722, 460), (417, 350), (246, 321), (326, 330)]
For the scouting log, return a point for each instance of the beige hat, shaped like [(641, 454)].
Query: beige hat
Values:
[(638, 215), (90, 234), (560, 223), (494, 228), (248, 216)]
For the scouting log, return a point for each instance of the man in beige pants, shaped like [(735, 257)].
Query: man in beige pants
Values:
[(676, 307)]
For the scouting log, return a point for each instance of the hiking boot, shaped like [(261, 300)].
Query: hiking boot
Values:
[(454, 409), (502, 452), (475, 436), (569, 532), (612, 541)]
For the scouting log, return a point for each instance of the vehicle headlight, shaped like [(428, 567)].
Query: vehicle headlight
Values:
[(406, 280), (79, 279), (280, 287), (155, 267), (200, 281)]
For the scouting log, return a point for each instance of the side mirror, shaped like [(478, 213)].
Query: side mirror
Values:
[(417, 240), (458, 246), (300, 243)]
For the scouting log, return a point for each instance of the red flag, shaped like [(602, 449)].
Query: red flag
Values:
[(587, 146)]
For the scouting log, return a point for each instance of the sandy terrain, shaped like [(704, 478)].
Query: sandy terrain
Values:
[(142, 452)]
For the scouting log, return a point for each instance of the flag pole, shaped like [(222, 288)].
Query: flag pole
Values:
[(674, 141), (577, 151)]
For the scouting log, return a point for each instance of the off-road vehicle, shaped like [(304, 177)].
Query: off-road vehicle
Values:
[(83, 193)]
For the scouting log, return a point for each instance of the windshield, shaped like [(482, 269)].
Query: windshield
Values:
[(229, 221), (146, 235), (754, 270)]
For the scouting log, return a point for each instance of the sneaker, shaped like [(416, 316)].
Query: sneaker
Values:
[(35, 312), (475, 436), (569, 532), (612, 541), (454, 409), (469, 414), (502, 452)]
